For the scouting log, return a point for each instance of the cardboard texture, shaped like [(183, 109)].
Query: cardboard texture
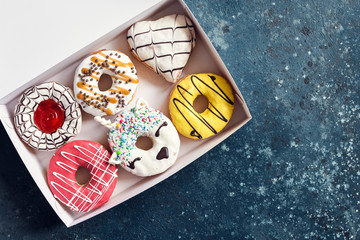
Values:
[(152, 87)]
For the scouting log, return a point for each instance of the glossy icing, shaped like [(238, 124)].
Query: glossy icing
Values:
[(164, 45), (49, 116), (196, 125), (61, 175), (124, 82), (24, 122), (143, 120)]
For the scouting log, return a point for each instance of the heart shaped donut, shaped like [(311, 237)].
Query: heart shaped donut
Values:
[(163, 45)]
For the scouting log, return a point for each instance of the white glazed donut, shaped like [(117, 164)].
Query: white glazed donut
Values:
[(124, 82), (143, 121)]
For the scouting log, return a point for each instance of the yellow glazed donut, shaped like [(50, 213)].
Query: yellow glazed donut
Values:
[(196, 125)]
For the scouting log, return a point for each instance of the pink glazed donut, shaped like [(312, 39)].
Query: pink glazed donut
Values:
[(61, 175)]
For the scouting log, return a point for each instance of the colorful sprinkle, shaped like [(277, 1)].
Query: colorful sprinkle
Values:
[(130, 125)]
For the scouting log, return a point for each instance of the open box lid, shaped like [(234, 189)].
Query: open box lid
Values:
[(44, 33)]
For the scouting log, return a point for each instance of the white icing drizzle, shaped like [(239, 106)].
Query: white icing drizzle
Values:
[(95, 160), (24, 116), (164, 45)]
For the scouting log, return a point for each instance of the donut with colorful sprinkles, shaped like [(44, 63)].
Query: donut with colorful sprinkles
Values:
[(142, 121), (124, 81)]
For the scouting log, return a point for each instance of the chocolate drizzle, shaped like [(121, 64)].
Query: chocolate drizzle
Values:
[(151, 45), (157, 133), (131, 164), (163, 153), (189, 107)]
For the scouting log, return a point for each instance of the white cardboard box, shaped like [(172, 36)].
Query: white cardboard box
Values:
[(204, 58)]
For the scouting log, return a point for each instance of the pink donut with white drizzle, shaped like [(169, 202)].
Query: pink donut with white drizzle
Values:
[(63, 167)]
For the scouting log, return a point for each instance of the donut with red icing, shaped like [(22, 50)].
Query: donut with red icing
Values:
[(63, 167)]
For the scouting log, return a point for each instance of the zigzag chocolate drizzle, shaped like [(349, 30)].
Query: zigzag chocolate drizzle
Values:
[(217, 114), (156, 57)]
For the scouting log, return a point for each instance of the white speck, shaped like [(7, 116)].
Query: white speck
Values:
[(261, 191), (276, 98), (274, 180), (206, 216), (324, 136), (296, 21), (266, 151), (295, 55), (231, 194), (217, 35), (225, 148), (309, 52), (287, 67), (297, 38)]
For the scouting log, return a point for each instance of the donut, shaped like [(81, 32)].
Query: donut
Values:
[(124, 82), (47, 116), (142, 120), (163, 45), (186, 119), (62, 169)]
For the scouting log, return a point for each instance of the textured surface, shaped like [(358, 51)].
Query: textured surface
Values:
[(292, 172)]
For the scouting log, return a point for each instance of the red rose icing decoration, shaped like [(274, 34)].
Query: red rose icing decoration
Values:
[(49, 116)]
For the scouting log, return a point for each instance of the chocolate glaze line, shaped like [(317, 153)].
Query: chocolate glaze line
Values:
[(159, 43), (194, 133), (198, 116), (223, 95), (165, 55), (157, 133), (132, 163), (162, 29)]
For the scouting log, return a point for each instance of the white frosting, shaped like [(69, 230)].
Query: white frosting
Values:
[(144, 121), (124, 82), (24, 116), (164, 45)]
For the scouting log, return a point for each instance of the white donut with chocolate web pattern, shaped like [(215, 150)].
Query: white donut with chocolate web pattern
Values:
[(143, 121), (47, 116), (163, 45)]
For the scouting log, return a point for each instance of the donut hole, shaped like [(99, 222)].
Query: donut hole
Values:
[(144, 143), (82, 176), (105, 82), (200, 103)]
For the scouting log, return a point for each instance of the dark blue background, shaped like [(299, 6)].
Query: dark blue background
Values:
[(292, 172)]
